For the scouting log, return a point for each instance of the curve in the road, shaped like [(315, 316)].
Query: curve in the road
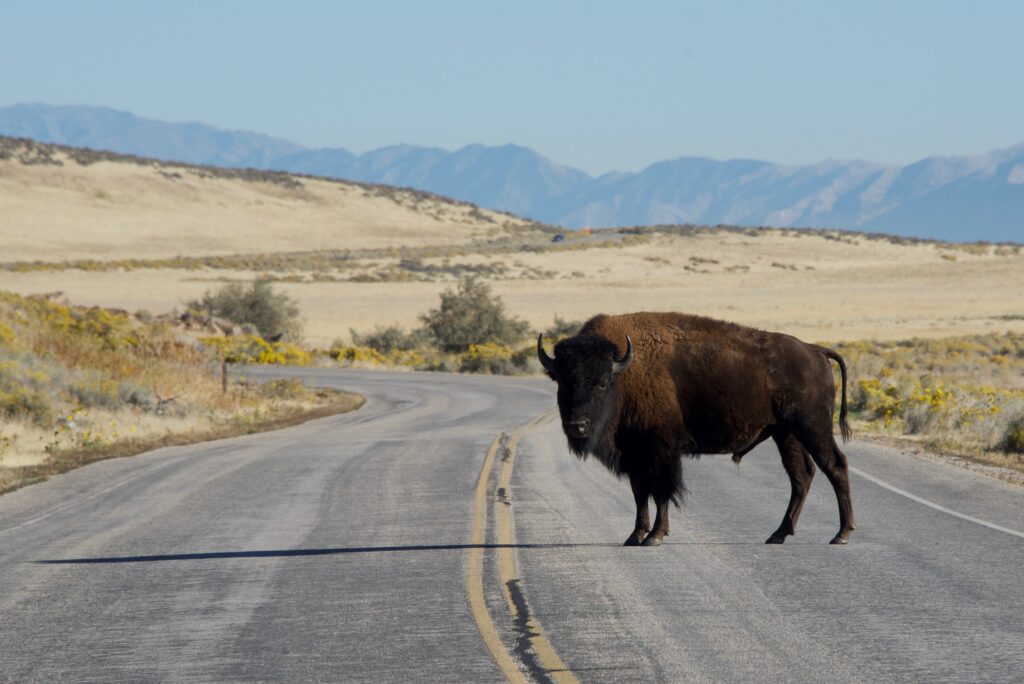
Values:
[(344, 550)]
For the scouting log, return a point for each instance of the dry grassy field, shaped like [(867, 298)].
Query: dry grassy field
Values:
[(385, 255), (804, 284), (137, 235), (79, 385)]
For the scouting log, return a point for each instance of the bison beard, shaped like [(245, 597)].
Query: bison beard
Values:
[(640, 391)]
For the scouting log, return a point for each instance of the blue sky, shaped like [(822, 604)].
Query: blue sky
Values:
[(597, 85)]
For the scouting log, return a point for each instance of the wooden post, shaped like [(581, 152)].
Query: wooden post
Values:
[(223, 375)]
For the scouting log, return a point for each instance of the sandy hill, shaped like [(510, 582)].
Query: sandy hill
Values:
[(356, 256), (967, 198), (60, 202)]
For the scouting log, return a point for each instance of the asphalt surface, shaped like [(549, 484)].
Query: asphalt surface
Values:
[(410, 541)]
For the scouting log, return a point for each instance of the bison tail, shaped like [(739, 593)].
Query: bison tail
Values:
[(844, 426)]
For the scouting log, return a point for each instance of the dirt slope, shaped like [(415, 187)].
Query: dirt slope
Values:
[(65, 203)]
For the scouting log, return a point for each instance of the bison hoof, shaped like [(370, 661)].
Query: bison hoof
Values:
[(652, 540), (776, 538), (635, 539), (840, 539)]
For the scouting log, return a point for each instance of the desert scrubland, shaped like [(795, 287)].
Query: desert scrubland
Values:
[(355, 256), (808, 285), (138, 235)]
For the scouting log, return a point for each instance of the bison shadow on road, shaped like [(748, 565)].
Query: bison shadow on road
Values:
[(294, 553)]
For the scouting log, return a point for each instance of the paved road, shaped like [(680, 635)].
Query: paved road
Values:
[(411, 541)]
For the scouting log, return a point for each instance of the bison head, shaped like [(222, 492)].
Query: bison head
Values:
[(586, 368)]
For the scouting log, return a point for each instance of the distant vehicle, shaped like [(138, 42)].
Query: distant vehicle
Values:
[(558, 238)]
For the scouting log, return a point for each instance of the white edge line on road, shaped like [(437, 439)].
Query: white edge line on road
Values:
[(932, 504)]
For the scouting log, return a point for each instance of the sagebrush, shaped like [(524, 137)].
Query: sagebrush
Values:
[(79, 384), (274, 314), (955, 394), (472, 314), (389, 338)]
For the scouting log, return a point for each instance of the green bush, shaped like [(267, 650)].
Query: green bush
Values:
[(389, 338), (95, 389), (23, 385), (471, 315), (1013, 437), (18, 401), (139, 396), (272, 313)]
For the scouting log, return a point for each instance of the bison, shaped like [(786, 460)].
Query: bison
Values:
[(639, 391)]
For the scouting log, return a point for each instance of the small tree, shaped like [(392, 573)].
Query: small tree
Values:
[(471, 314), (386, 339), (271, 313)]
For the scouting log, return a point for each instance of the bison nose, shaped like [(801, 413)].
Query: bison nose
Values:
[(578, 428)]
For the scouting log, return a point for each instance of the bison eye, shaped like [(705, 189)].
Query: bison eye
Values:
[(602, 385)]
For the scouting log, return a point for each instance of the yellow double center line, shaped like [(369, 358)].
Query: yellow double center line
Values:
[(539, 647)]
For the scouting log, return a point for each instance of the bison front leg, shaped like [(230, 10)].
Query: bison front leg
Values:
[(641, 493), (660, 530), (666, 487)]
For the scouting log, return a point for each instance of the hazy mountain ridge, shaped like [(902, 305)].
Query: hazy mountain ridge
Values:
[(108, 129), (953, 198)]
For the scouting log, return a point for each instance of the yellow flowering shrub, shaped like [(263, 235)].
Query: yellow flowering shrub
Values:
[(962, 392), (495, 358), (409, 358), (254, 349), (54, 358), (361, 355), (6, 334)]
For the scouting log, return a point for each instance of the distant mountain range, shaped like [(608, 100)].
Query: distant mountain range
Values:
[(977, 197)]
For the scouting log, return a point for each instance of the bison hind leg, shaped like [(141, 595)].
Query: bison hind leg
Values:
[(832, 461)]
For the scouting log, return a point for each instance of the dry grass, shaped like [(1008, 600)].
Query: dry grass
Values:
[(141, 235), (873, 289), (78, 385), (149, 235)]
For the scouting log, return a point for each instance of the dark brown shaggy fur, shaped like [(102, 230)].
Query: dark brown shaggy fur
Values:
[(699, 386)]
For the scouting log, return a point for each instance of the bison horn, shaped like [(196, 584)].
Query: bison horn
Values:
[(545, 360), (620, 365)]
